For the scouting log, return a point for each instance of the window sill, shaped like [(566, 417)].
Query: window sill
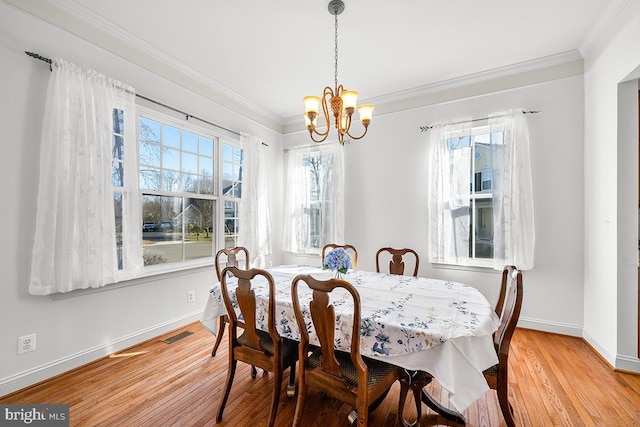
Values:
[(148, 276), (483, 268)]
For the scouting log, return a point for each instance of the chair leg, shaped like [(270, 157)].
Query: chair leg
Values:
[(221, 325), (227, 388), (505, 406), (277, 383), (363, 414), (291, 387), (302, 391)]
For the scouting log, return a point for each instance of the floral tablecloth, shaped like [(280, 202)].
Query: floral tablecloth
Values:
[(442, 327)]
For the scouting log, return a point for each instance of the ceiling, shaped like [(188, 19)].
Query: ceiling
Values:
[(267, 55)]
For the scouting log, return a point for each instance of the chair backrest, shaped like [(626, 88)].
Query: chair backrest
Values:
[(324, 320), (510, 313), (503, 289), (231, 259), (348, 248), (246, 300), (396, 264)]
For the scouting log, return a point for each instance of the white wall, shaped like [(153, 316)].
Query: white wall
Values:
[(386, 204), (611, 173), (74, 331)]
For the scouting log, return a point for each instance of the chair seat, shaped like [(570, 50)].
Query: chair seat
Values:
[(377, 370), (491, 371), (289, 347)]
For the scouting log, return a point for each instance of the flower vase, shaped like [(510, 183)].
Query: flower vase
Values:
[(339, 275)]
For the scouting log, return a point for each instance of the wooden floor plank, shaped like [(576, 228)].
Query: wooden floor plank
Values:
[(554, 380)]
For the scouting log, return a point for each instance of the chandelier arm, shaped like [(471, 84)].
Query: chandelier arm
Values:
[(366, 128), (324, 136)]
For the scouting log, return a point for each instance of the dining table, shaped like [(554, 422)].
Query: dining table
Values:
[(440, 327)]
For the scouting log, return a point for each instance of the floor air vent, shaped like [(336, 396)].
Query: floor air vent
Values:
[(175, 338)]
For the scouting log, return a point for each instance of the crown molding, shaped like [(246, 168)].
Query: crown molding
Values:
[(601, 26), (553, 67), (76, 19)]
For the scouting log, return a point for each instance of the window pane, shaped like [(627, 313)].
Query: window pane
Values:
[(149, 130), (118, 121), (205, 165), (150, 154), (189, 142), (206, 146), (117, 208), (171, 181), (227, 187), (117, 148), (189, 163), (190, 183), (170, 136), (198, 214), (171, 159), (484, 228), (150, 178), (117, 174), (162, 230), (206, 184), (230, 224)]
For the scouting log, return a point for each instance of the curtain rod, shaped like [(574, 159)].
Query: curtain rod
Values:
[(426, 128), (187, 115)]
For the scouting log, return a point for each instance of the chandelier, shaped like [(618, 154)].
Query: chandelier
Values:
[(341, 101)]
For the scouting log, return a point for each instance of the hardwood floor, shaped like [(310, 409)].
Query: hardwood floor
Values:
[(554, 381)]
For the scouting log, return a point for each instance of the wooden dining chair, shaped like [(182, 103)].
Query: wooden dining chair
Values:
[(351, 250), (397, 262), (231, 256), (497, 376), (349, 377), (264, 349), (509, 306)]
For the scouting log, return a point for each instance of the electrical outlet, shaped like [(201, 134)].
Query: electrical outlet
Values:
[(191, 296), (26, 343)]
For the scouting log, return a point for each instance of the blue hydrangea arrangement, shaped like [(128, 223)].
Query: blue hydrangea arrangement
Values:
[(337, 260)]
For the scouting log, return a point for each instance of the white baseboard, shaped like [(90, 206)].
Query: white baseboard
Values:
[(56, 367), (627, 363), (553, 327), (618, 361)]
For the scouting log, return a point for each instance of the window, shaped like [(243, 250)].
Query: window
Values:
[(314, 201), (480, 193), (117, 179), (317, 169), (125, 191), (470, 159), (231, 192), (179, 178)]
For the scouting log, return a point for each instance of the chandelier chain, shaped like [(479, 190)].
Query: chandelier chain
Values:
[(336, 51)]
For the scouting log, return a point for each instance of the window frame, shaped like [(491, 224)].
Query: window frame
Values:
[(309, 209), (218, 141), (472, 261)]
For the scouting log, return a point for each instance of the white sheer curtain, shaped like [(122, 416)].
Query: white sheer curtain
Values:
[(513, 218), (255, 225), (330, 179), (75, 233), (511, 187), (449, 193)]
